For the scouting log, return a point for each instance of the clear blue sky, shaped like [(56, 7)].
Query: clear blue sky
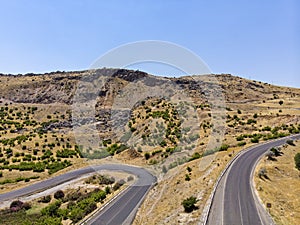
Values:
[(258, 39)]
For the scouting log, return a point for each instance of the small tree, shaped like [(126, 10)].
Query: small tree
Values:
[(189, 169), (189, 204), (270, 155), (147, 155), (59, 194), (187, 177), (107, 190), (280, 102), (297, 161), (16, 205), (263, 173), (276, 151)]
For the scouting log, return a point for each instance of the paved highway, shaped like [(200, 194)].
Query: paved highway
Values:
[(121, 210), (235, 201)]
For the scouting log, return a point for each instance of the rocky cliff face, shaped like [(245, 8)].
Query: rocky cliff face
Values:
[(60, 87)]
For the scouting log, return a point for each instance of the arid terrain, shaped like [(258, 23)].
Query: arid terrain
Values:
[(184, 130), (281, 186)]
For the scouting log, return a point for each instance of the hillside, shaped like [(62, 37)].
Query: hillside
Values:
[(160, 123)]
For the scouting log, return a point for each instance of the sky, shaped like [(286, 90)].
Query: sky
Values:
[(254, 39)]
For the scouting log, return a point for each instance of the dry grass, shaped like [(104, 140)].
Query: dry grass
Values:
[(282, 188), (163, 204)]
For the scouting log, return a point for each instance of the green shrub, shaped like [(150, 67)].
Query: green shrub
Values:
[(240, 138), (189, 204), (147, 155), (276, 152), (59, 194), (196, 155), (224, 147), (187, 177), (255, 140), (250, 121), (189, 169), (242, 143), (51, 210)]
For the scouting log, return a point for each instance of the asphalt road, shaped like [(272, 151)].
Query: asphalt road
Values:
[(121, 210), (235, 201)]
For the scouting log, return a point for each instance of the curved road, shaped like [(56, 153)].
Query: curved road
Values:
[(121, 210), (235, 201)]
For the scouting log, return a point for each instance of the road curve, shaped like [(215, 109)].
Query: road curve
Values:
[(235, 201), (119, 211)]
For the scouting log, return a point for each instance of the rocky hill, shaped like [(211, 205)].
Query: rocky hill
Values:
[(59, 87), (53, 122)]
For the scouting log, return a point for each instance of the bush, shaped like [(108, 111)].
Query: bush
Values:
[(16, 205), (189, 204), (107, 190), (59, 194), (51, 210), (250, 121), (255, 140), (106, 180), (45, 199), (262, 173), (130, 178), (187, 177), (224, 147), (189, 169), (270, 155), (290, 142), (240, 138), (76, 214), (118, 185), (26, 206), (196, 155), (297, 161), (147, 155), (242, 143), (276, 151)]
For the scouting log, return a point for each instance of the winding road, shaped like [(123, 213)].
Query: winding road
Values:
[(121, 209), (235, 201)]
